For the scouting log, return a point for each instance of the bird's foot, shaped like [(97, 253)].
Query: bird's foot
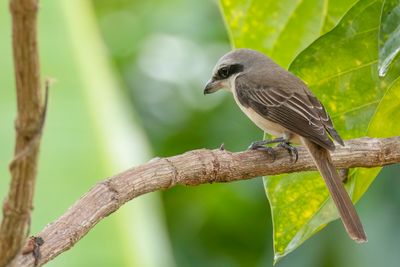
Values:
[(260, 145), (291, 149), (255, 145), (267, 149), (284, 143)]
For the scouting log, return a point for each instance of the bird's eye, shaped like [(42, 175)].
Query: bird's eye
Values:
[(223, 72)]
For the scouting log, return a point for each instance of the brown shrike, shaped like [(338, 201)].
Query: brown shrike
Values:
[(282, 105)]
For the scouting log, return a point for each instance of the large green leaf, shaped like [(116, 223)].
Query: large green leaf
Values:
[(341, 68), (283, 28), (385, 122), (389, 35)]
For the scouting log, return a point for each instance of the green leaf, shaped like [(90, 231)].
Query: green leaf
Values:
[(280, 29), (389, 35), (385, 120), (341, 69)]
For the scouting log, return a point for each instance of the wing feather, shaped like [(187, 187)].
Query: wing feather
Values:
[(300, 113)]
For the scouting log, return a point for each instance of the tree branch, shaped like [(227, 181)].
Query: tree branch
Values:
[(194, 168), (18, 204)]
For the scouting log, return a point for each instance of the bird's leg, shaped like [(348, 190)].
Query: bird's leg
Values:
[(292, 150)]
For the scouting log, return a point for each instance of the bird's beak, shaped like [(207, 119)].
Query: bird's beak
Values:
[(212, 86)]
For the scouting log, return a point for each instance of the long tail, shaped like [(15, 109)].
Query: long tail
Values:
[(347, 212)]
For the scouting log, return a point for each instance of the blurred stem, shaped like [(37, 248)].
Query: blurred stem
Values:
[(123, 140), (29, 123)]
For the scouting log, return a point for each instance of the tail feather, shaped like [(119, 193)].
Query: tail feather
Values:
[(347, 212)]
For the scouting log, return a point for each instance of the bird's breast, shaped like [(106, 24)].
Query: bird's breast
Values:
[(264, 124)]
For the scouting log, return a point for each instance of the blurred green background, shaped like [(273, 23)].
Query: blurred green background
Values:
[(128, 79)]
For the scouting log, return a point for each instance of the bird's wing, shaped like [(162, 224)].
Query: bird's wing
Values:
[(294, 110), (325, 119)]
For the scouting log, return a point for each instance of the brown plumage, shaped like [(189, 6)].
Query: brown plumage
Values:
[(281, 104)]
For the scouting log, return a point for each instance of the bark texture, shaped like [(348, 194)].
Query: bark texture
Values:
[(18, 204)]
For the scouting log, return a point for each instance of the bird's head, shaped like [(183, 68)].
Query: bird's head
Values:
[(231, 65)]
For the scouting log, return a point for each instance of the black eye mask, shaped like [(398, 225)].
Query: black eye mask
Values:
[(226, 71)]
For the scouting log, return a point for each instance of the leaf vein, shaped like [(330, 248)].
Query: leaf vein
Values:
[(368, 64)]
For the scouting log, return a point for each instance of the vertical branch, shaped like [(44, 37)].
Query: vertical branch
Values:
[(29, 122)]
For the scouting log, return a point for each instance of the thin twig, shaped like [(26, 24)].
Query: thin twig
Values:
[(29, 123), (193, 168)]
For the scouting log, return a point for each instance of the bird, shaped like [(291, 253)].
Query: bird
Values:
[(281, 104)]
